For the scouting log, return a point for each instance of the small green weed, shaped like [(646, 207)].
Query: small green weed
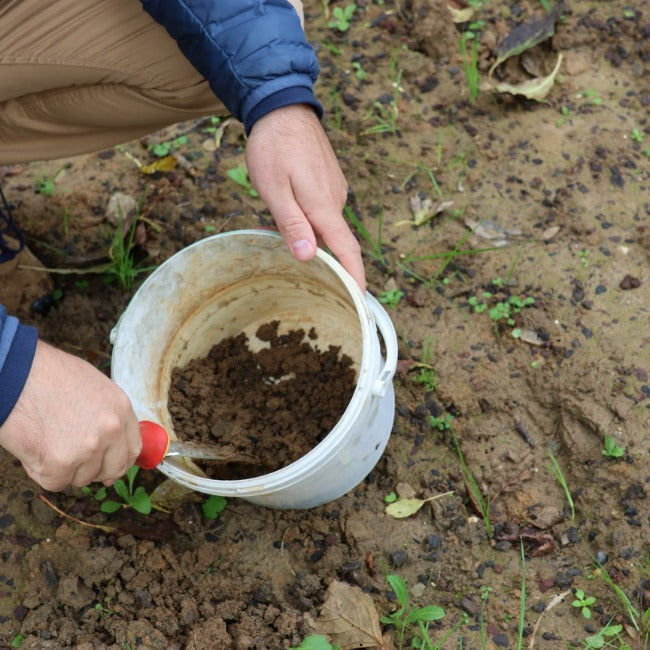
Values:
[(605, 638), (441, 422), (342, 17), (45, 184), (468, 45), (213, 506), (427, 375), (132, 497), (480, 500), (611, 449), (590, 97), (239, 175), (104, 608), (391, 497), (584, 257), (504, 310), (359, 72), (386, 116), (406, 616), (162, 149), (583, 603), (123, 267), (376, 244), (557, 472), (637, 135), (17, 641), (315, 642), (391, 298), (565, 113)]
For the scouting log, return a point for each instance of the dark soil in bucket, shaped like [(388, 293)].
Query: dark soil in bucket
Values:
[(273, 405)]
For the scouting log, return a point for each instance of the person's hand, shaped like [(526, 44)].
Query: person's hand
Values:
[(71, 425), (293, 167)]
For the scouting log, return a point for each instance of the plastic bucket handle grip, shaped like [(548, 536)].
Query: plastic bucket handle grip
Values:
[(387, 331)]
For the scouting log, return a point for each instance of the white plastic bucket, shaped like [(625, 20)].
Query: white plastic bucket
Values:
[(235, 282)]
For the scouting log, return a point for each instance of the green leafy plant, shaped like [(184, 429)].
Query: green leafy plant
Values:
[(359, 72), (565, 113), (480, 500), (391, 497), (639, 620), (406, 616), (385, 115), (315, 642), (605, 636), (376, 244), (556, 470), (427, 375), (342, 17), (583, 603), (162, 149), (132, 497), (122, 266), (45, 184), (213, 506), (612, 449), (590, 97), (239, 175), (637, 135), (441, 422), (391, 298), (477, 305), (468, 45), (505, 309), (17, 641)]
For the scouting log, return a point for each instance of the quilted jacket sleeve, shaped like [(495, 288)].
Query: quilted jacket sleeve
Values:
[(17, 347), (253, 53)]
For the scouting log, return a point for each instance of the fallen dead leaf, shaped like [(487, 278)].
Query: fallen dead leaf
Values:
[(349, 619)]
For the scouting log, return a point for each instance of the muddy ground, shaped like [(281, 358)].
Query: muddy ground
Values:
[(516, 199)]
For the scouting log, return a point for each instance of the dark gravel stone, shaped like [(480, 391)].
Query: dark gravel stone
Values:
[(500, 640), (6, 520), (539, 607), (600, 289), (601, 557), (629, 282), (587, 332), (433, 541), (564, 579), (398, 558), (573, 535)]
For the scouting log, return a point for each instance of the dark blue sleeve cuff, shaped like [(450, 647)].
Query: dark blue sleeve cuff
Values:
[(16, 367), (286, 97)]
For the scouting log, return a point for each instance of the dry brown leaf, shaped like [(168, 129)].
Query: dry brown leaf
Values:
[(349, 619)]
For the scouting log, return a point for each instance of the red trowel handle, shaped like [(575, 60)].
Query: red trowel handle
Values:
[(155, 443)]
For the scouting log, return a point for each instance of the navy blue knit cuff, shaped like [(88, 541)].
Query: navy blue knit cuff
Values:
[(285, 97), (16, 368)]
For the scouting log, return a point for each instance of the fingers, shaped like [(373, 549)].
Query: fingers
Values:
[(293, 167)]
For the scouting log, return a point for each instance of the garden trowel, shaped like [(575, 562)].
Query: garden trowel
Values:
[(157, 445)]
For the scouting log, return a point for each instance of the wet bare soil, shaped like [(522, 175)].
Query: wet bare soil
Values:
[(469, 209)]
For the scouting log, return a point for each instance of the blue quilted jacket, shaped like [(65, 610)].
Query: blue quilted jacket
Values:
[(254, 55)]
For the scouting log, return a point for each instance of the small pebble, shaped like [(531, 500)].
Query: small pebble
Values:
[(600, 289)]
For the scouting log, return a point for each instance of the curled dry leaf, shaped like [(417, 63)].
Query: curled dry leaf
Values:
[(536, 88)]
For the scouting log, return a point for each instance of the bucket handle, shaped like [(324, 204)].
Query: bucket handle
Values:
[(387, 331)]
